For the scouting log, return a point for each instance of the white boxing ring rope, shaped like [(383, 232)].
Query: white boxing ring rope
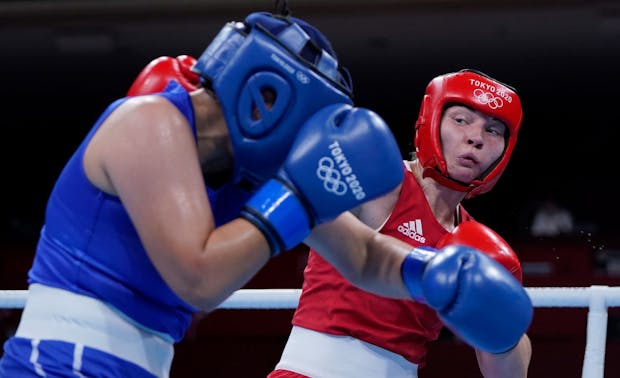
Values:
[(597, 298)]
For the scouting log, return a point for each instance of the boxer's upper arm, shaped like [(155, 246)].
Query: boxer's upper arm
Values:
[(148, 153)]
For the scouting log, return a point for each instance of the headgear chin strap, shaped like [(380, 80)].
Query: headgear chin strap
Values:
[(284, 57), (477, 91)]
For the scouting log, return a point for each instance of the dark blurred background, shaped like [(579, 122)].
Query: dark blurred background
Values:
[(62, 62)]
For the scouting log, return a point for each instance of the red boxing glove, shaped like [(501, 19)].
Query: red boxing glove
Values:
[(158, 73), (476, 235)]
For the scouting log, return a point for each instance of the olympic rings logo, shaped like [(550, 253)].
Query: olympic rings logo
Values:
[(486, 98), (302, 77), (331, 177)]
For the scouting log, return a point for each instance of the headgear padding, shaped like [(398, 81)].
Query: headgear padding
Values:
[(479, 92), (285, 57)]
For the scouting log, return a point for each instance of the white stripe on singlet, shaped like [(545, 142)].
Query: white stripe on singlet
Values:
[(321, 355), (93, 324)]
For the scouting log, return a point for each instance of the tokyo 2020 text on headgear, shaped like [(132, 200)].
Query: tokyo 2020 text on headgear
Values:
[(477, 91), (287, 59)]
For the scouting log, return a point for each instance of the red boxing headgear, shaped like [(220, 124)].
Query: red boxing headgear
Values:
[(479, 92)]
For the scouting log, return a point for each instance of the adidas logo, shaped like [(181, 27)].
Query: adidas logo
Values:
[(413, 229)]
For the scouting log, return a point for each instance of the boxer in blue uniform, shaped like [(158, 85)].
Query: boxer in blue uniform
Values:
[(132, 245)]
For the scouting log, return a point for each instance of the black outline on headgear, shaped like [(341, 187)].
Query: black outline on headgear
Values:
[(345, 86)]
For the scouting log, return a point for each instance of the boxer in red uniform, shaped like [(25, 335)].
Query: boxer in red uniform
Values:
[(465, 134)]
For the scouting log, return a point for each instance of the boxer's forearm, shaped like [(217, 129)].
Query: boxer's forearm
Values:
[(512, 364), (368, 259)]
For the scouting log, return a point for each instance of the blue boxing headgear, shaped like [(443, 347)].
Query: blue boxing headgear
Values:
[(283, 56)]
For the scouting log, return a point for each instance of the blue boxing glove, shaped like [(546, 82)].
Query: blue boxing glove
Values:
[(343, 156), (475, 296)]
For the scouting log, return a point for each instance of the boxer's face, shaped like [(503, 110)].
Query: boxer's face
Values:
[(471, 142)]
